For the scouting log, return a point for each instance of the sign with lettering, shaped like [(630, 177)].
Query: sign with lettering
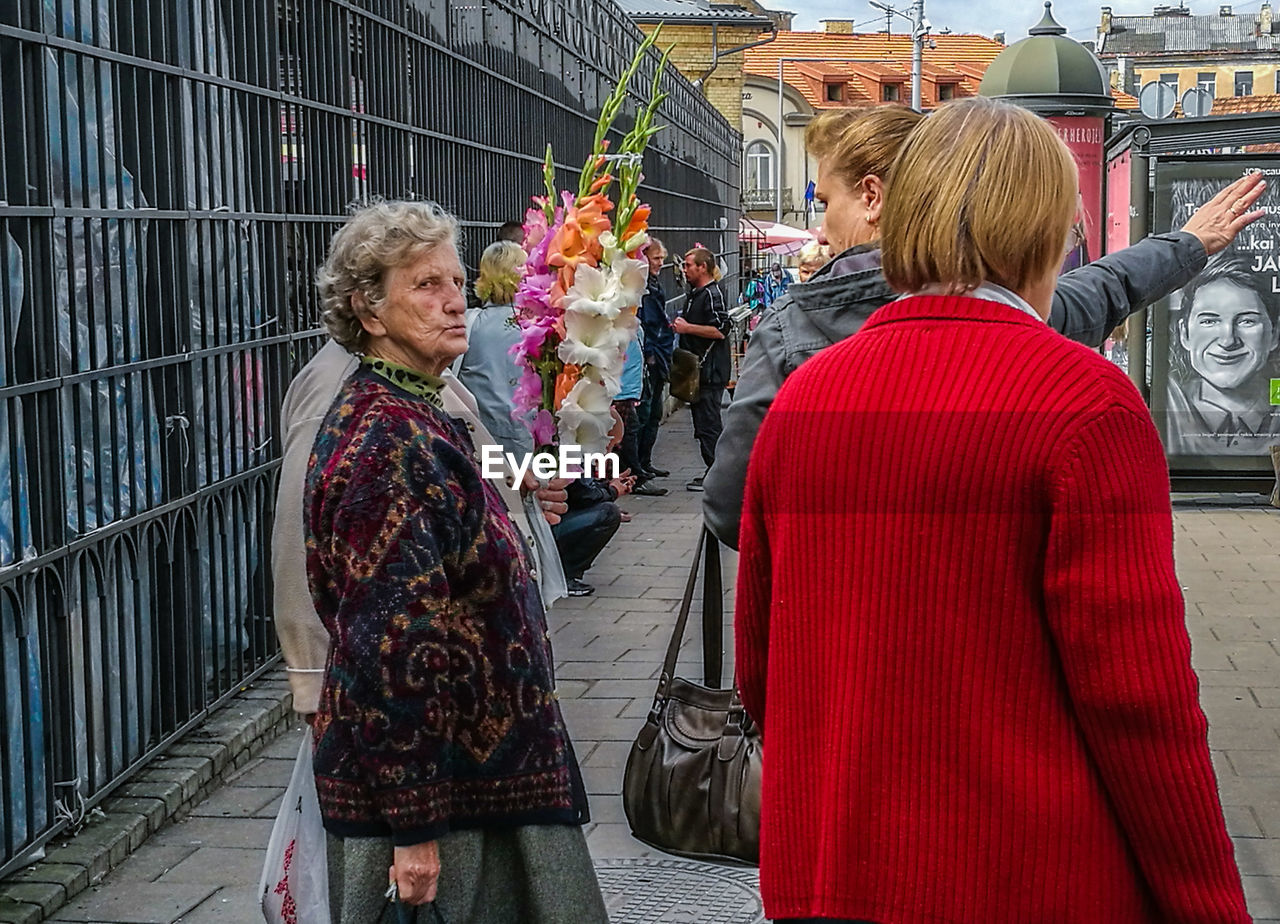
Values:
[(1083, 135), (1216, 342)]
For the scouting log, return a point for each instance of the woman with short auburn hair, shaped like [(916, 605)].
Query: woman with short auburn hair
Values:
[(1007, 732), (989, 197)]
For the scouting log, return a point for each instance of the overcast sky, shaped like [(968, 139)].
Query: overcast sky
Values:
[(1015, 17)]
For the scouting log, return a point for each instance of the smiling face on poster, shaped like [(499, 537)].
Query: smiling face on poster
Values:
[(1222, 388)]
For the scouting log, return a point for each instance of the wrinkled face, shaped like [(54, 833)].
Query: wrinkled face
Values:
[(656, 257), (844, 224), (1228, 334), (420, 325), (808, 269)]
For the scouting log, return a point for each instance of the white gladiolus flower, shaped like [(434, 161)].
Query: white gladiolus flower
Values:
[(595, 340), (637, 240), (632, 277), (595, 290), (584, 416)]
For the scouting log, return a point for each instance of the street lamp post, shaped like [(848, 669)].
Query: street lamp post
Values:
[(918, 32), (919, 35)]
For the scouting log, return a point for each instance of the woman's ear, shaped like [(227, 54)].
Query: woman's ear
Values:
[(871, 192), (371, 324)]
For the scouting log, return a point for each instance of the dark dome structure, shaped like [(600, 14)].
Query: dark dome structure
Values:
[(1049, 71)]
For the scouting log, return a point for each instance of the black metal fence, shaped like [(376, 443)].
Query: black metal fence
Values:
[(171, 173)]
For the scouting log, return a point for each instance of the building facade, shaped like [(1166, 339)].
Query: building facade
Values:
[(1227, 53), (832, 69)]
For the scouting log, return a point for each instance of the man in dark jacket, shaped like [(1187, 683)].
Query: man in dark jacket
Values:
[(659, 342), (703, 327)]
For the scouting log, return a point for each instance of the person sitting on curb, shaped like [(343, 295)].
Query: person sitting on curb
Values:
[(587, 527), (856, 150)]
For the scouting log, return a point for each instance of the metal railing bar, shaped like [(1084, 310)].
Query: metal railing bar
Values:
[(88, 540), (159, 362)]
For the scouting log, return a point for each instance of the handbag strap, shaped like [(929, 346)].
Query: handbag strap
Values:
[(712, 614), (677, 632), (712, 634)]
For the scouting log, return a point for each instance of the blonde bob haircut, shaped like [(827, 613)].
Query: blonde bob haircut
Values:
[(500, 270), (983, 192), (858, 142), (375, 240)]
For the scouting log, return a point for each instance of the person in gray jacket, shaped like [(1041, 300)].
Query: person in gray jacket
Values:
[(855, 150)]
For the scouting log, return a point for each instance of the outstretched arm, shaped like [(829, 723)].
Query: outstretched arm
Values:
[(1092, 300)]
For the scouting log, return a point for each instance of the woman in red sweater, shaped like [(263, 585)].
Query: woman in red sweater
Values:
[(1007, 732)]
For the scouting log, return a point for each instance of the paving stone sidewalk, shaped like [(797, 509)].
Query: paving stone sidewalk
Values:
[(608, 649)]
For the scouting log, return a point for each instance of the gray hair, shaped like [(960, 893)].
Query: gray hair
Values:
[(375, 240)]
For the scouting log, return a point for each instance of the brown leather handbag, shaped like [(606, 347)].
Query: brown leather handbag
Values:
[(692, 783), (684, 378)]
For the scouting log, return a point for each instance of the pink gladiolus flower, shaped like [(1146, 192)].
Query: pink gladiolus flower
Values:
[(535, 226), (543, 428), (528, 393), (532, 336)]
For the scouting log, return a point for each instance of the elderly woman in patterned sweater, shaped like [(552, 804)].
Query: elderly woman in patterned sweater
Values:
[(441, 753)]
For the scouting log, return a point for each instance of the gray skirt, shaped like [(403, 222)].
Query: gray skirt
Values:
[(536, 874)]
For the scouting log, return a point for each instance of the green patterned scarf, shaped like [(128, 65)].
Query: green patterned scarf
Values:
[(427, 387)]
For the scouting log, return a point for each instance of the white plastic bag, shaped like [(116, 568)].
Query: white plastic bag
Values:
[(294, 887)]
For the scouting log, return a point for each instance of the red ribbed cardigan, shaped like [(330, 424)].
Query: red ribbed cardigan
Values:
[(959, 625)]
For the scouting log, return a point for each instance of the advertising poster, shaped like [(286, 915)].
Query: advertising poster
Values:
[(1083, 136), (1215, 364), (1118, 170)]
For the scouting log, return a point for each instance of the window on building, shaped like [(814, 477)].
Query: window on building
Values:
[(1208, 81), (1278, 81), (891, 92), (1244, 83), (835, 92), (947, 91), (1170, 80), (757, 167)]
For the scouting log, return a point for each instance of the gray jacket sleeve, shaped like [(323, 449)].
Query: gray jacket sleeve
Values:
[(1092, 300), (759, 379)]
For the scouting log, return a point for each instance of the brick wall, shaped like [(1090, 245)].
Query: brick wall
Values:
[(692, 57)]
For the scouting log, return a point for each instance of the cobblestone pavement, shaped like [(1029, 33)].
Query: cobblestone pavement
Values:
[(608, 648)]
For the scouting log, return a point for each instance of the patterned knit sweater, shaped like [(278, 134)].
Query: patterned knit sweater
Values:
[(959, 624), (438, 709)]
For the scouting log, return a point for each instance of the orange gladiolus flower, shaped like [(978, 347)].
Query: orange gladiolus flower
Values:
[(578, 239), (639, 222), (565, 382)]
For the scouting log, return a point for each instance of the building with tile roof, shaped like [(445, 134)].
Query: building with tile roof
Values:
[(1230, 54), (1259, 102), (817, 74)]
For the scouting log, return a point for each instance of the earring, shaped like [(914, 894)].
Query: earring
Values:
[(869, 219)]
